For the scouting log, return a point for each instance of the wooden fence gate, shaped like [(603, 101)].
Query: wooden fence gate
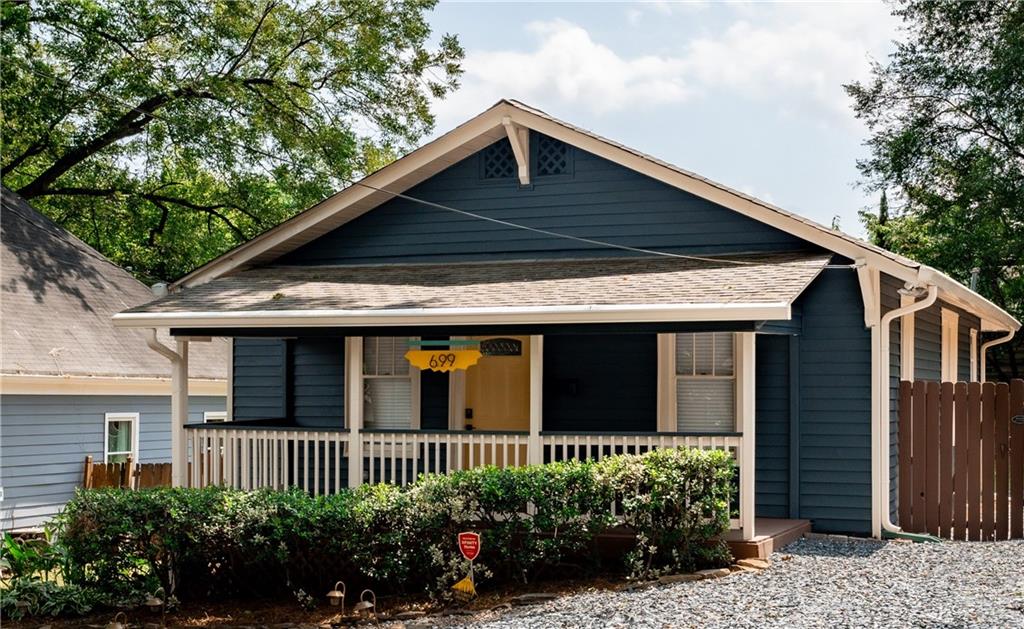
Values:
[(961, 459)]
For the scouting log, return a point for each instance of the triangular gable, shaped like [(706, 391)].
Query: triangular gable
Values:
[(489, 127)]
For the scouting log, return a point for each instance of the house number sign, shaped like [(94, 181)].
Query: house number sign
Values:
[(443, 359)]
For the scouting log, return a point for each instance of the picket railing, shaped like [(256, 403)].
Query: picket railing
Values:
[(961, 459), (400, 456)]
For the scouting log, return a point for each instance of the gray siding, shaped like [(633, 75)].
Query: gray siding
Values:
[(46, 439), (600, 200), (835, 406), (890, 300), (928, 342), (772, 406), (318, 381), (260, 373)]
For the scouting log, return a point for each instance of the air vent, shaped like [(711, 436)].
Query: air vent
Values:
[(498, 161), (552, 156)]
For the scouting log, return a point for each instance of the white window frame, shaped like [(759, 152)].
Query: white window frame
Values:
[(109, 418), (907, 338), (950, 345), (974, 355), (215, 417), (414, 382), (668, 380)]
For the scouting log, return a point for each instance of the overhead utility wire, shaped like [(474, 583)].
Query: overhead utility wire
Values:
[(448, 208)]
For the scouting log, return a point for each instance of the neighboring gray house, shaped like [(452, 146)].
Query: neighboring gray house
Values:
[(72, 384)]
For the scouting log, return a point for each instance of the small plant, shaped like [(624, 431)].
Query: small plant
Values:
[(305, 601), (31, 596)]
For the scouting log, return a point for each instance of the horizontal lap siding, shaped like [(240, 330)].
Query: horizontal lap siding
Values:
[(259, 387), (772, 424), (600, 200), (928, 342), (601, 382), (46, 439), (890, 300), (835, 406), (318, 382)]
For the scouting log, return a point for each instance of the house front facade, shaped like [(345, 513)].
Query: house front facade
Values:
[(71, 384), (521, 290)]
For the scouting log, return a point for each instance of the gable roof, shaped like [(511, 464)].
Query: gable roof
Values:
[(57, 297), (489, 127)]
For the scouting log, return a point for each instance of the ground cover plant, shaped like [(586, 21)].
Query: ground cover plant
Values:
[(217, 543)]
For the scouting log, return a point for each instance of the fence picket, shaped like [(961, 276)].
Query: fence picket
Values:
[(1016, 460), (988, 437), (960, 462), (945, 488), (974, 400), (1001, 446)]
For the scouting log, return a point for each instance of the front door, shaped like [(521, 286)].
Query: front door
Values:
[(498, 392)]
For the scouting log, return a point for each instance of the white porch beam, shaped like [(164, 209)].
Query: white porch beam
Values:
[(354, 411), (535, 452), (745, 406), (519, 138), (179, 416)]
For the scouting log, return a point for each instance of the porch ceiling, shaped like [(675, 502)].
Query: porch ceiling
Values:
[(590, 290)]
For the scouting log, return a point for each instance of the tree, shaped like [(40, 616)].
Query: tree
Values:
[(164, 132), (946, 122)]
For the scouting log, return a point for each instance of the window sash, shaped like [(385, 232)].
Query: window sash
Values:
[(120, 443), (704, 382), (389, 384)]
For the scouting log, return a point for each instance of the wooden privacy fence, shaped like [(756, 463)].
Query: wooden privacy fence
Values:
[(127, 475), (961, 459)]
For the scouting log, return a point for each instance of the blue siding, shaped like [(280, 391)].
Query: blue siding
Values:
[(46, 439), (835, 406), (587, 387), (318, 381), (600, 200), (793, 326), (890, 300), (260, 371), (928, 342), (772, 406)]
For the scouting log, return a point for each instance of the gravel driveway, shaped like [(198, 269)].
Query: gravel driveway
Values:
[(821, 582)]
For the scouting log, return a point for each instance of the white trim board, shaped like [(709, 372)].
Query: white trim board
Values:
[(121, 417), (489, 127), (24, 384)]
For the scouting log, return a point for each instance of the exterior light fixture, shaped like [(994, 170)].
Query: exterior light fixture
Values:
[(117, 624), (366, 604), (337, 596)]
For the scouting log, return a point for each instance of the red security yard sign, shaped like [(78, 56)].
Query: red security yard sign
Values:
[(469, 545)]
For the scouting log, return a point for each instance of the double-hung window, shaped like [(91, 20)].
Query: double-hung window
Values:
[(390, 384), (121, 437), (705, 382)]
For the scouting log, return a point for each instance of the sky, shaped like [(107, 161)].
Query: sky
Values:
[(747, 94)]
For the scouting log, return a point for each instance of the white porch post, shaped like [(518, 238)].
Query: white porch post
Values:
[(354, 402), (535, 452), (745, 406), (179, 416)]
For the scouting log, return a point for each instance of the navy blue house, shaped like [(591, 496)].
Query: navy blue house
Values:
[(520, 290)]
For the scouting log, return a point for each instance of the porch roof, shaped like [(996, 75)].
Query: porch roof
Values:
[(751, 287)]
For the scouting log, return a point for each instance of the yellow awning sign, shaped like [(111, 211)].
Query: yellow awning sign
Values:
[(443, 359)]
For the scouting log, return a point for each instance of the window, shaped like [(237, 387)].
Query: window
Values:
[(121, 437), (950, 325), (974, 355), (390, 384), (215, 417), (705, 382)]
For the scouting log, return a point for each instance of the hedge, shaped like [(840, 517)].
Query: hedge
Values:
[(535, 520)]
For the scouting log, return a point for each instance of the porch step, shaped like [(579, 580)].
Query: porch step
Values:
[(771, 535)]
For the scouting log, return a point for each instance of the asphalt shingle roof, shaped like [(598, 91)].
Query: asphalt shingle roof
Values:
[(57, 297), (761, 279)]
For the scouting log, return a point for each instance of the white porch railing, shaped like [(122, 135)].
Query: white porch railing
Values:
[(254, 457)]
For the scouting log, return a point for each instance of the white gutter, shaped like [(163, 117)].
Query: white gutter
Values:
[(883, 401), (160, 348), (626, 313), (985, 347)]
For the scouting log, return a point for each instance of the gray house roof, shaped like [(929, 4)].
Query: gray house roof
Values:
[(57, 297)]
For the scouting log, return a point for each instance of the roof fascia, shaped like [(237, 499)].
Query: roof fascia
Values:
[(40, 384)]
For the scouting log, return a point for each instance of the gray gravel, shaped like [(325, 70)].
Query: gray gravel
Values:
[(821, 582)]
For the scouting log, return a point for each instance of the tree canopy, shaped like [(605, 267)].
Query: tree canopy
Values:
[(164, 132), (946, 121)]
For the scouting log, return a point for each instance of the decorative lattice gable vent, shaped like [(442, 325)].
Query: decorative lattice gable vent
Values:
[(498, 161), (552, 156)]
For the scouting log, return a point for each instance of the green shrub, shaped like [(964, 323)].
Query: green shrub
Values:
[(45, 598), (217, 542)]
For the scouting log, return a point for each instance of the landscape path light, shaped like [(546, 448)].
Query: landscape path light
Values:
[(366, 604), (337, 597)]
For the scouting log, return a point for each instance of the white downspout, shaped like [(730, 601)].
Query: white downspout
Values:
[(179, 403), (883, 401), (985, 347)]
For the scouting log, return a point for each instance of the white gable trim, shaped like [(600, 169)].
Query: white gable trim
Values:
[(489, 127)]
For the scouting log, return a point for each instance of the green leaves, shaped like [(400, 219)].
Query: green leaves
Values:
[(164, 133), (946, 115)]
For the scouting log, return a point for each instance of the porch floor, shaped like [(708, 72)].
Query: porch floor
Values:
[(772, 534)]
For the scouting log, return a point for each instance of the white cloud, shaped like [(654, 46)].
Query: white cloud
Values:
[(793, 57)]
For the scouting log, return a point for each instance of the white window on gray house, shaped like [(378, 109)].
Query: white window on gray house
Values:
[(215, 417), (388, 391), (121, 437), (706, 382)]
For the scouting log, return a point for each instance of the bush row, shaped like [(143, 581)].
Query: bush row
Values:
[(215, 542)]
